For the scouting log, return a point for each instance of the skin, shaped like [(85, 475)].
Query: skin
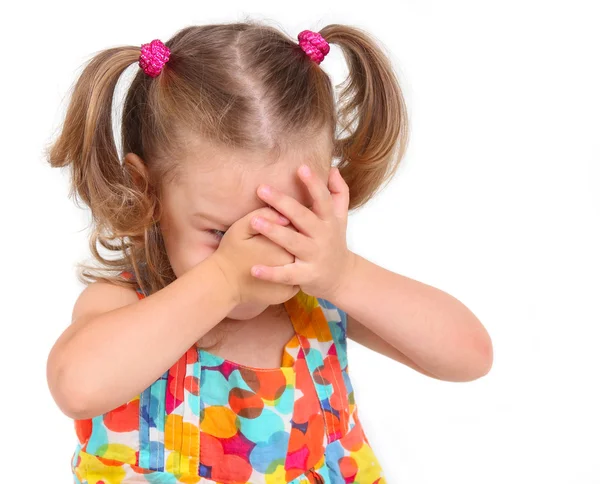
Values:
[(414, 323), (224, 190)]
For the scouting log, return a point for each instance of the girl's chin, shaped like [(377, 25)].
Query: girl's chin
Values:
[(243, 312)]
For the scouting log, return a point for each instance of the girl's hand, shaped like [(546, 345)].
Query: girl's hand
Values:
[(241, 248), (323, 262)]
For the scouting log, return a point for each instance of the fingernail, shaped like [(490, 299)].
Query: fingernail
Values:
[(305, 170), (283, 219)]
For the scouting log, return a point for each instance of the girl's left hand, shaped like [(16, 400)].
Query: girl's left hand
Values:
[(323, 262)]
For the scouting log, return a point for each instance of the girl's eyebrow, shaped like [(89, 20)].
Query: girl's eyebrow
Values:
[(208, 217), (211, 218)]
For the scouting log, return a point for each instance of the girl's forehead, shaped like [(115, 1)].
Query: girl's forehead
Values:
[(228, 192), (236, 177)]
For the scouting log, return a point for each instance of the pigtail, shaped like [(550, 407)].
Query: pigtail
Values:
[(242, 85), (372, 101), (86, 144)]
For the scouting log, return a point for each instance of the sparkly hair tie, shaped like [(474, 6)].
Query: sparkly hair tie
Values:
[(314, 45), (153, 57)]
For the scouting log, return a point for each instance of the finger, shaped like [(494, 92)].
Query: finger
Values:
[(305, 220), (339, 193), (275, 216), (323, 204), (266, 213), (293, 241), (280, 274)]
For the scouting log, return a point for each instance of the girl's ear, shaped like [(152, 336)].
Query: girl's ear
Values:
[(140, 176), (137, 169)]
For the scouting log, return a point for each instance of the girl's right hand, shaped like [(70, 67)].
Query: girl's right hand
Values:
[(243, 247)]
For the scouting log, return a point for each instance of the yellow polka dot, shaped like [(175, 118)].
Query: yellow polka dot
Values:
[(183, 467), (96, 471), (277, 476), (368, 466), (290, 378), (120, 452), (172, 463)]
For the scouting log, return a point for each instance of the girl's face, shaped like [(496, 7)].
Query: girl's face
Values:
[(207, 200)]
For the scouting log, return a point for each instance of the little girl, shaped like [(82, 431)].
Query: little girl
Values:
[(211, 346)]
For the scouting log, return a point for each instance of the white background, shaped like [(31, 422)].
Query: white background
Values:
[(496, 203)]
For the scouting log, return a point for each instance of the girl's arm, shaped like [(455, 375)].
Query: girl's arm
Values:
[(413, 323), (118, 345)]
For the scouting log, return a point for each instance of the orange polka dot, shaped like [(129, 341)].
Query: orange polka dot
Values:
[(348, 467), (219, 421), (124, 418), (83, 429)]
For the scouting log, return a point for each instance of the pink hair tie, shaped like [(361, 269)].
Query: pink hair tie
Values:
[(314, 45), (153, 57)]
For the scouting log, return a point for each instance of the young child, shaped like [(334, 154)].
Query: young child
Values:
[(211, 346)]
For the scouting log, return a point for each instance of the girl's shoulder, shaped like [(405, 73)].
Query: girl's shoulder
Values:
[(100, 297)]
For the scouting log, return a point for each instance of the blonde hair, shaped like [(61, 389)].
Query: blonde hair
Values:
[(220, 82)]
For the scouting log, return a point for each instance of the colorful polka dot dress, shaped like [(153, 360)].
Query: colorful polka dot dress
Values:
[(208, 420)]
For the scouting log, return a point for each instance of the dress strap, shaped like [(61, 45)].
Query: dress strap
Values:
[(319, 349), (170, 414)]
